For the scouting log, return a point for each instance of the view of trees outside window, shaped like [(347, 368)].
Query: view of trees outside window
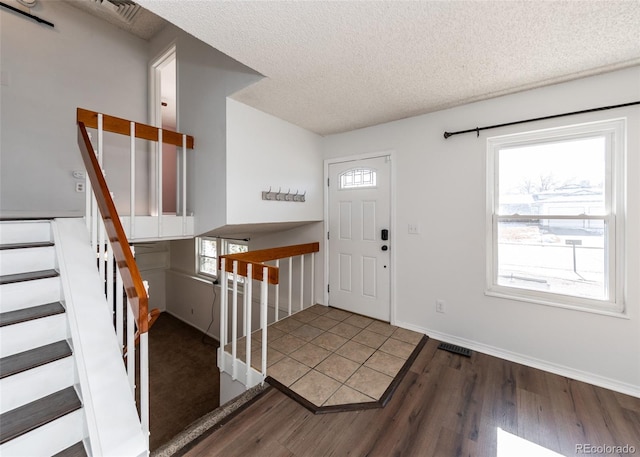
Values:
[(208, 254), (551, 217), (235, 248)]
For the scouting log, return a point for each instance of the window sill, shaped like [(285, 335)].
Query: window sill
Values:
[(196, 277), (556, 304)]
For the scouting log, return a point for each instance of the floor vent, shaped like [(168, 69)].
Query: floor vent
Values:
[(455, 349)]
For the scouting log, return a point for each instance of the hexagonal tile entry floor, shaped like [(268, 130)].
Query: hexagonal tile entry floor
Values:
[(331, 360)]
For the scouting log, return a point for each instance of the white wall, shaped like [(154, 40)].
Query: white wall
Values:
[(205, 77), (153, 260), (309, 233), (260, 149), (441, 187), (265, 152), (48, 73), (190, 298)]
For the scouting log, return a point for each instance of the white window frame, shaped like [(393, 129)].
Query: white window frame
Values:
[(615, 133), (362, 185), (222, 248), (199, 255)]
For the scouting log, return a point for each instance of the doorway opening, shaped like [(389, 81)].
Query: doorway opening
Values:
[(164, 113)]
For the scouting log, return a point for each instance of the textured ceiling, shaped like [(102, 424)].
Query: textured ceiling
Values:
[(334, 66)]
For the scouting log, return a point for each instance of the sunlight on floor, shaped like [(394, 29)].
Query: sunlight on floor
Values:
[(510, 445)]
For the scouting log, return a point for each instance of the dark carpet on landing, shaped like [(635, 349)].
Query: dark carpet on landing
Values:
[(184, 381)]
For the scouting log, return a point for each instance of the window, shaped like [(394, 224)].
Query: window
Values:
[(235, 247), (207, 253), (554, 216), (358, 178)]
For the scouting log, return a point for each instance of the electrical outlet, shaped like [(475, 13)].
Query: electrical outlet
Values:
[(79, 187), (413, 229), (440, 306)]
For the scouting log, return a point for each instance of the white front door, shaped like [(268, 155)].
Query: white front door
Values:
[(359, 220)]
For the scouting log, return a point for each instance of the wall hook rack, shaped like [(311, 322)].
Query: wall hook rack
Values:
[(284, 196)]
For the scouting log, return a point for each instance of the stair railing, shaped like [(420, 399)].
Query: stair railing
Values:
[(118, 250), (242, 267)]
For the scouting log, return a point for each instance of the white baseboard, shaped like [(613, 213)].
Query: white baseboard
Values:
[(578, 375)]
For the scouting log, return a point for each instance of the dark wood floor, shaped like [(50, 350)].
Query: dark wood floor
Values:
[(447, 405)]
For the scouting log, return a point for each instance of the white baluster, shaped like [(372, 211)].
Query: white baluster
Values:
[(234, 321), (277, 291), (159, 189), (301, 282), (184, 184), (248, 283), (224, 299), (100, 152), (110, 297), (263, 318), (96, 220), (313, 277), (101, 251), (120, 310), (131, 349), (94, 224), (243, 327), (290, 284), (144, 385), (132, 184), (88, 196)]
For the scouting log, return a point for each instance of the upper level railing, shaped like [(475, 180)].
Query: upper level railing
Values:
[(140, 226), (252, 265)]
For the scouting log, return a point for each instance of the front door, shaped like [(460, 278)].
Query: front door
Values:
[(359, 219)]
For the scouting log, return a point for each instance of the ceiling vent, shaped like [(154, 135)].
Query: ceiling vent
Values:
[(126, 10)]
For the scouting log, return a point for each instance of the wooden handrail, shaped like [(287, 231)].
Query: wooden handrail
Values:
[(134, 287), (256, 258), (122, 126)]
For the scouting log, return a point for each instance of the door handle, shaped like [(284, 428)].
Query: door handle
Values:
[(384, 247), (384, 235)]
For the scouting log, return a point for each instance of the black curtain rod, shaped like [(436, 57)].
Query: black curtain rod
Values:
[(477, 129), (30, 16)]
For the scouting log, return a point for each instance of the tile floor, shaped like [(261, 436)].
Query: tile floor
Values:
[(332, 357)]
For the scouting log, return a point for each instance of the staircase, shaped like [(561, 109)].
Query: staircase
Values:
[(41, 410)]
